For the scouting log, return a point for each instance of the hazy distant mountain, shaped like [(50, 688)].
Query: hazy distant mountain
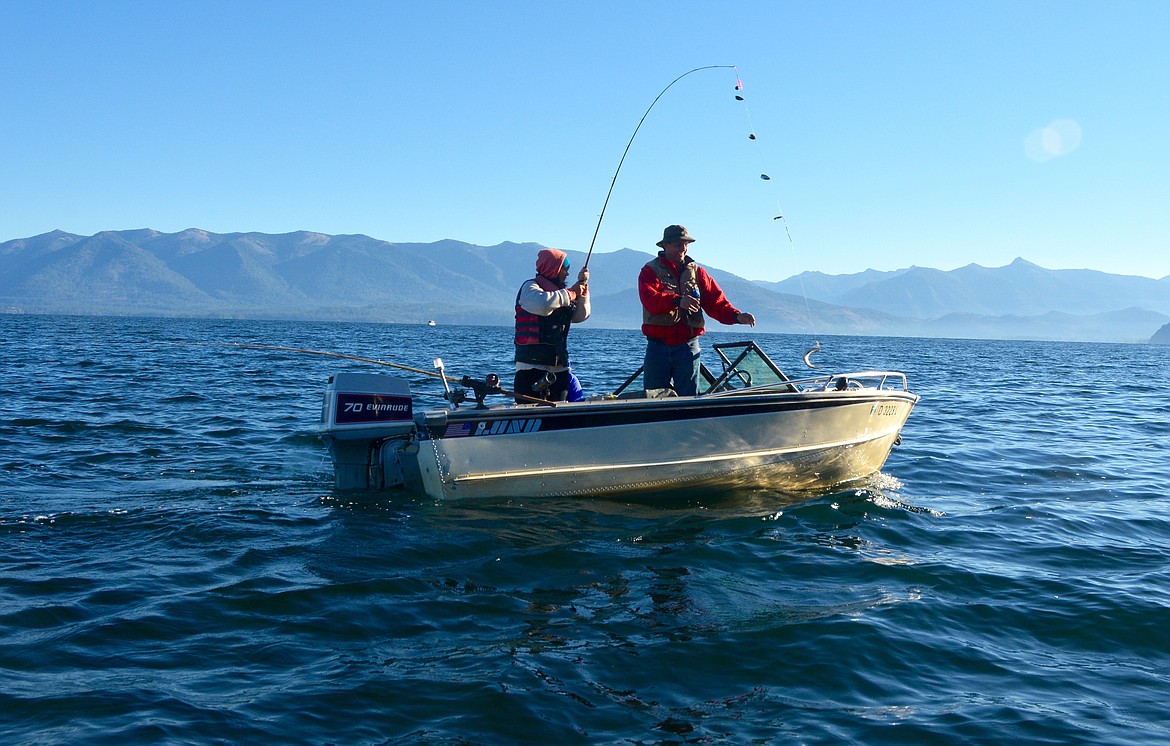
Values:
[(294, 275), (1162, 336), (1021, 288), (820, 285), (306, 275)]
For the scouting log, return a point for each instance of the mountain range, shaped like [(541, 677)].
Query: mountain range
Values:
[(305, 275)]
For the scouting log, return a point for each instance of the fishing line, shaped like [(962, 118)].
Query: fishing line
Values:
[(464, 381), (631, 142), (763, 176), (739, 96), (250, 346)]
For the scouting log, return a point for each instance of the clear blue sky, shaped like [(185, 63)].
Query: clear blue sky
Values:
[(935, 134)]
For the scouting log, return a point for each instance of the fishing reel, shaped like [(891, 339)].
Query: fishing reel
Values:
[(490, 385), (542, 385), (456, 397)]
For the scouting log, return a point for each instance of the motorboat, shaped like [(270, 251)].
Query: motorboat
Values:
[(752, 426)]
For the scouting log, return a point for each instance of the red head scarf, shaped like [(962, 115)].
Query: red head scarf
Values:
[(549, 262)]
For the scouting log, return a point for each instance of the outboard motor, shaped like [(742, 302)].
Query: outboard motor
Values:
[(367, 421)]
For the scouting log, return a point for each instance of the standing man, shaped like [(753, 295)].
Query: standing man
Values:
[(675, 291), (544, 310)]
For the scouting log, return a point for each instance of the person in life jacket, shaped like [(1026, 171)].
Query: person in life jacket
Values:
[(545, 309), (675, 291)]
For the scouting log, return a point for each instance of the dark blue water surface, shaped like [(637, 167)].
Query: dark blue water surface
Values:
[(177, 567)]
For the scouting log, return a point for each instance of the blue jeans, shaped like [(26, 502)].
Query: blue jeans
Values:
[(672, 366)]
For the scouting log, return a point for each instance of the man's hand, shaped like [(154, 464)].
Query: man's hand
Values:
[(745, 318), (582, 286)]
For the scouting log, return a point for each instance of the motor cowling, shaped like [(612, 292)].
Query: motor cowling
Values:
[(360, 413)]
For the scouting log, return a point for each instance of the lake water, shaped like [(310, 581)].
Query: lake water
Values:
[(178, 569)]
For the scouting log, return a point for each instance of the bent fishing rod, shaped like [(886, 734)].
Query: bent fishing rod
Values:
[(627, 151)]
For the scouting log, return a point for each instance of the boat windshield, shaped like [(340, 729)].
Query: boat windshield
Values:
[(744, 366)]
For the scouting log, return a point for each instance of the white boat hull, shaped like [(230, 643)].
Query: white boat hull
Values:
[(812, 442)]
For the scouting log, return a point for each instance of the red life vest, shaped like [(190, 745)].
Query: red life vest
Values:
[(543, 340)]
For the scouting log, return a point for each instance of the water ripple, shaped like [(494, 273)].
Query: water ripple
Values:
[(178, 568)]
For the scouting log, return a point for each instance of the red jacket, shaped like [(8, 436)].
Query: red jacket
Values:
[(657, 300)]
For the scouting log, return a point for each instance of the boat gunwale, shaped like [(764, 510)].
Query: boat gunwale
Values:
[(679, 405)]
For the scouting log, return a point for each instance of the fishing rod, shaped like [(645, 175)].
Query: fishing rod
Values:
[(627, 150), (251, 346), (490, 386)]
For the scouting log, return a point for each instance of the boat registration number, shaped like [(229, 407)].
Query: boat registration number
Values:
[(506, 427)]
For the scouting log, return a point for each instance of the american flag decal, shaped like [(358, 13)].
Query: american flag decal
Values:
[(457, 430)]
